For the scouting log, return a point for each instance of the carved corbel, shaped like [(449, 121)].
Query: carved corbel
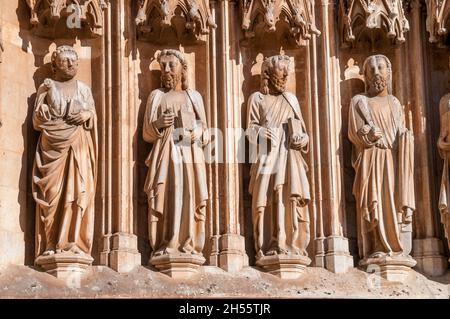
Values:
[(296, 17), (78, 15), (438, 12), (174, 21), (367, 19)]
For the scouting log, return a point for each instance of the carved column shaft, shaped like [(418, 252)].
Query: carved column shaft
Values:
[(120, 224), (231, 243), (337, 257)]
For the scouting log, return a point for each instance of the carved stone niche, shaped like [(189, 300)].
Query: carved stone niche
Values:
[(67, 18), (437, 22), (372, 21), (174, 21), (288, 20)]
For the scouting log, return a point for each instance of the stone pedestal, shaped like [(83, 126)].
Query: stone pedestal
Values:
[(429, 254), (337, 257), (232, 257), (124, 255), (178, 266), (65, 266), (395, 269), (284, 266)]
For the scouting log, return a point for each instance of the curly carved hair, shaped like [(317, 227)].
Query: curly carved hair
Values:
[(270, 63), (60, 50)]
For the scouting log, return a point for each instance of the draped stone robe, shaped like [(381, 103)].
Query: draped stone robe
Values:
[(384, 184), (65, 170), (444, 142), (278, 167), (176, 183)]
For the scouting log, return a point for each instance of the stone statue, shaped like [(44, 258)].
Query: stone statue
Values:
[(443, 144), (64, 171), (175, 123), (278, 180), (383, 158)]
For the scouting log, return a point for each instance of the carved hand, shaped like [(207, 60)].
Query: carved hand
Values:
[(43, 113), (443, 145), (165, 120), (196, 134), (375, 134), (79, 118), (297, 142)]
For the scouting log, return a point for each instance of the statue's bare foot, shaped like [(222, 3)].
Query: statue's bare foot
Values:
[(76, 250), (48, 252), (164, 251), (259, 255), (271, 252)]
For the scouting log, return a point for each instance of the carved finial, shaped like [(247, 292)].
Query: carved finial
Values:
[(361, 18), (155, 20), (269, 16), (438, 12), (85, 15)]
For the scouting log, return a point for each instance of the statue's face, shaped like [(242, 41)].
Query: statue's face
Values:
[(377, 75), (171, 71), (278, 78), (66, 65)]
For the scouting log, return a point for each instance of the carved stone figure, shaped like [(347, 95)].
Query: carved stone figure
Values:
[(278, 180), (64, 171), (444, 150), (383, 158), (175, 123)]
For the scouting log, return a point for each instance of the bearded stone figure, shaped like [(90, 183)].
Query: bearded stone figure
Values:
[(383, 158), (278, 180), (64, 171), (175, 123), (443, 144)]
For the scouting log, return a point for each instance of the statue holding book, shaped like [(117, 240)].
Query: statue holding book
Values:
[(278, 180), (175, 123)]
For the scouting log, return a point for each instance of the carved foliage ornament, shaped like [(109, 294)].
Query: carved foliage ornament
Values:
[(263, 15), (360, 17), (163, 21), (438, 12), (86, 14)]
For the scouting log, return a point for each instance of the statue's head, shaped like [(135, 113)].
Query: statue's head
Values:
[(173, 69), (274, 73), (65, 63), (378, 74)]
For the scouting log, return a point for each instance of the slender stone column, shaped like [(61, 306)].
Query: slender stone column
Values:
[(232, 255), (335, 245), (119, 242)]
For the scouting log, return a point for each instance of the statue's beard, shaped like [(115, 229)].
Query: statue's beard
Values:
[(378, 84), (170, 80), (67, 73), (279, 85)]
